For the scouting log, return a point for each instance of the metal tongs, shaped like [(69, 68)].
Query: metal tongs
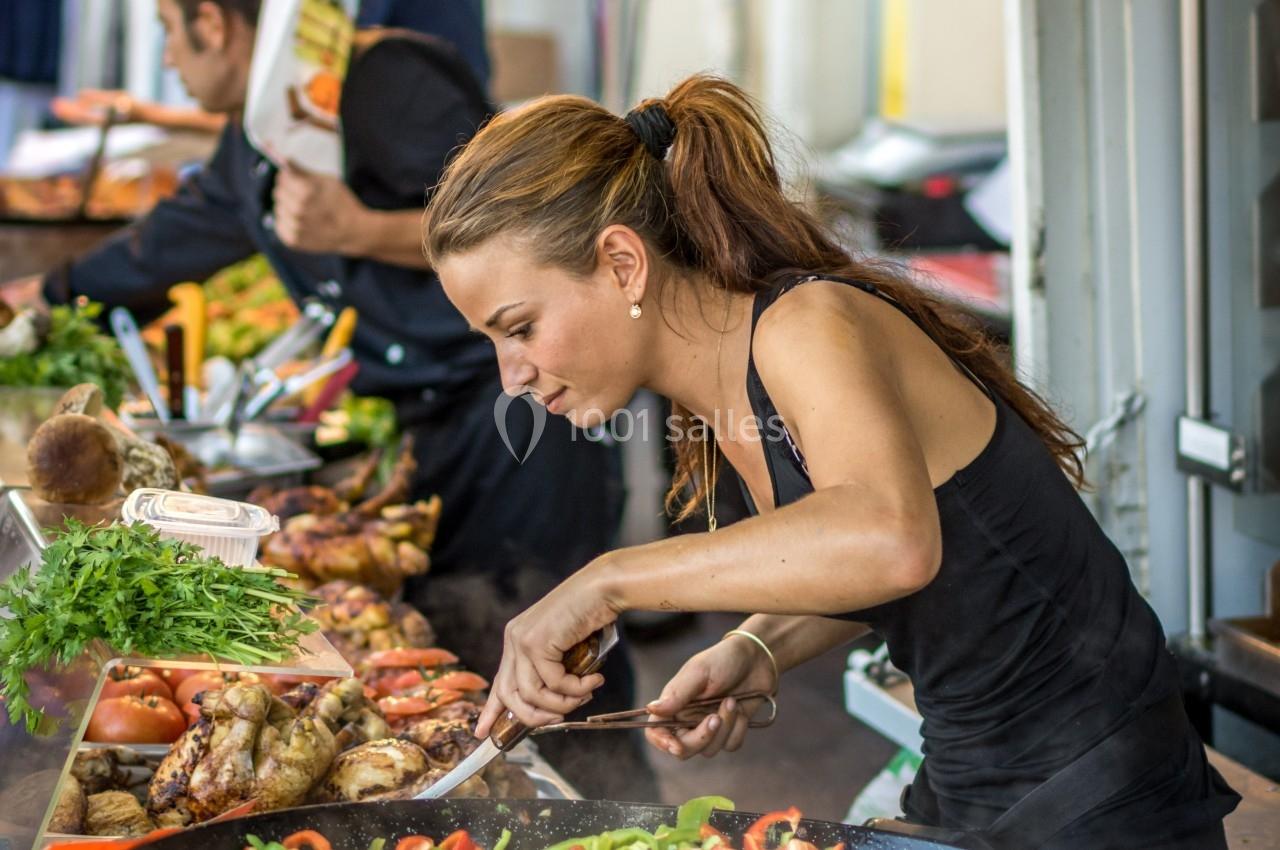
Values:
[(227, 400), (687, 718), (271, 387)]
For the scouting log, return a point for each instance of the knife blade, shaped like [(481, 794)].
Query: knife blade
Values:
[(582, 660), (126, 332)]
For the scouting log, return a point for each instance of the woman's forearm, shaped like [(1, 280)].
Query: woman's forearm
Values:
[(795, 640), (829, 553)]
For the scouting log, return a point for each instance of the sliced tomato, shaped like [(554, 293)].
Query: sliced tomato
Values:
[(460, 680), (460, 840), (306, 838), (415, 842), (409, 657), (394, 683), (409, 706)]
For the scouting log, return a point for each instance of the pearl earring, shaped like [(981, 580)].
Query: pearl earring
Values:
[(636, 311)]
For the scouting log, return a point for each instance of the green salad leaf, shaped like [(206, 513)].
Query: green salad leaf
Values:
[(76, 352)]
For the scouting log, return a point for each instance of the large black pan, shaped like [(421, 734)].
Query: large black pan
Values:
[(535, 824)]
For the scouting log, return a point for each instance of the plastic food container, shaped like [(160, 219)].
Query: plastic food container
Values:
[(224, 528)]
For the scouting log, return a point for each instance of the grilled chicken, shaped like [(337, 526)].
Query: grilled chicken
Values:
[(475, 786), (380, 550), (371, 769), (167, 795), (224, 776), (357, 619), (289, 503), (508, 781), (246, 745), (349, 714), (116, 813), (462, 711), (446, 742)]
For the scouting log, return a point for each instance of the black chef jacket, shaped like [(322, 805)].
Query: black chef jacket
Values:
[(408, 102)]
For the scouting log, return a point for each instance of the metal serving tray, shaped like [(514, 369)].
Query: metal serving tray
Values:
[(260, 454)]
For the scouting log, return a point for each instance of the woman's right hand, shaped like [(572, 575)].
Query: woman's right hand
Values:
[(734, 665)]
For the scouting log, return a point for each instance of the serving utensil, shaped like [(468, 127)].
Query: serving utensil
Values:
[(130, 338), (582, 660)]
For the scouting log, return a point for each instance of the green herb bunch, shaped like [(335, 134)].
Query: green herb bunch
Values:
[(143, 596), (76, 352)]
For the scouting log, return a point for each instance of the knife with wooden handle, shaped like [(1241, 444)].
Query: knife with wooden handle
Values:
[(582, 660)]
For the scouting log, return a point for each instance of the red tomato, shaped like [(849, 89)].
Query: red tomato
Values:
[(408, 657), (212, 680), (134, 681), (175, 676), (135, 720)]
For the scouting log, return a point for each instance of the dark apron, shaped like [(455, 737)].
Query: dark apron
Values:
[(1043, 817)]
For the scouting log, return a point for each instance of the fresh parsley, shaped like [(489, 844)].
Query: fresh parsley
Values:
[(76, 352), (143, 596)]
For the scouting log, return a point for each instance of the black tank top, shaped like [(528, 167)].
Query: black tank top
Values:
[(1031, 644)]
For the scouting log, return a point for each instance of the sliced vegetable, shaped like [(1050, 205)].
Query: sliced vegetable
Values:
[(460, 680), (409, 706), (408, 657), (459, 840), (308, 839), (415, 842)]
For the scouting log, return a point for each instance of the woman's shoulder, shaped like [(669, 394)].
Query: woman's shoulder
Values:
[(823, 309), (814, 332)]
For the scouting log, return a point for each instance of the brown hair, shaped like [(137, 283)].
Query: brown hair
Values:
[(246, 9), (559, 170)]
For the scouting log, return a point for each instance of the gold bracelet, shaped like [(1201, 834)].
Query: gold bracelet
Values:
[(773, 662)]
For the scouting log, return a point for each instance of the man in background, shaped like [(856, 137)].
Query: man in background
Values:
[(509, 530)]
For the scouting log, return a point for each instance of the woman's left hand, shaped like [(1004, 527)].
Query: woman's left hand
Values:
[(531, 681)]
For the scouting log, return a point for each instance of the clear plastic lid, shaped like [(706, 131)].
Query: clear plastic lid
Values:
[(190, 513)]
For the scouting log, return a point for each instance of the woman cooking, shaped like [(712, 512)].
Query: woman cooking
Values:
[(903, 480)]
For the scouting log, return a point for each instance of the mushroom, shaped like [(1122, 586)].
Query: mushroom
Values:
[(145, 464), (73, 458)]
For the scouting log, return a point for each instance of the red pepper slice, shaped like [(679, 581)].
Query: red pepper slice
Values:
[(760, 829), (415, 842), (307, 838), (460, 840)]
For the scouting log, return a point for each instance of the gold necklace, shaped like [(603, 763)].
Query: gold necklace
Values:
[(708, 481), (711, 471)]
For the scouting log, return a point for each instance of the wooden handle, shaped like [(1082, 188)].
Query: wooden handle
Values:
[(582, 659), (174, 355)]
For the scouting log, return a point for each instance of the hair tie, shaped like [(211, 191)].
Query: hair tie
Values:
[(654, 128)]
